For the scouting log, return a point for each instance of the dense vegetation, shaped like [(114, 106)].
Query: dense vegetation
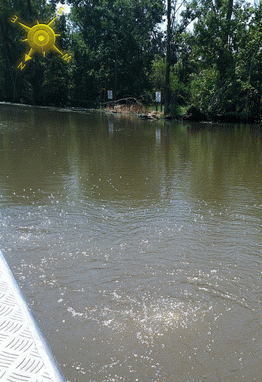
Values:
[(211, 57)]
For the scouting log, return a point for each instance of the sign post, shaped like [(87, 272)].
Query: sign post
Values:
[(110, 96), (158, 100)]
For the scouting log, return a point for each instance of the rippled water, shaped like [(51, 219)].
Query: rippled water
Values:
[(138, 244)]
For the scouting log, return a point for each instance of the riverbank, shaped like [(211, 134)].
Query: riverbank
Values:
[(141, 111), (138, 110), (193, 114)]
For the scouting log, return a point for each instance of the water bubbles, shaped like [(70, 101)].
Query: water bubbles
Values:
[(116, 296)]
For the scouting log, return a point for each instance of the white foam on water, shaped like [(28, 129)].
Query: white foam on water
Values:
[(145, 318)]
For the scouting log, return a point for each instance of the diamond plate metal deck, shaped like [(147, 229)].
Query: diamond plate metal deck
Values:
[(24, 352)]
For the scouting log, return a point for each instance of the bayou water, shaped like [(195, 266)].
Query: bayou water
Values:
[(137, 244)]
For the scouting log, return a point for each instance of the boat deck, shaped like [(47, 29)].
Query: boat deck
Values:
[(24, 352)]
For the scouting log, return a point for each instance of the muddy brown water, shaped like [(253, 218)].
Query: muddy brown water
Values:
[(138, 244)]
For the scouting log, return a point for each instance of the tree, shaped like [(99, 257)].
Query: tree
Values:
[(168, 59), (114, 45), (173, 33), (225, 37), (28, 85)]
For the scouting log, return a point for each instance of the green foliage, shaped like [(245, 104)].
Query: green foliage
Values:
[(203, 86), (157, 76), (113, 46), (178, 88), (30, 85), (176, 110), (117, 45)]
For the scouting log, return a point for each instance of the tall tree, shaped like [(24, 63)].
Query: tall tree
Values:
[(188, 12), (168, 58), (27, 85), (114, 45), (216, 37)]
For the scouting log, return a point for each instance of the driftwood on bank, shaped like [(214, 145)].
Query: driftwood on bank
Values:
[(121, 101)]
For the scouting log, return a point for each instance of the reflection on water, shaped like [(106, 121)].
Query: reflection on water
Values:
[(138, 244)]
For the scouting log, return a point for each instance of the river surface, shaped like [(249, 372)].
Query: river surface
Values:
[(137, 244)]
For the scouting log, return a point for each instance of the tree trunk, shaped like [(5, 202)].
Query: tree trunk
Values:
[(168, 57), (116, 56), (6, 48), (228, 20), (29, 6), (229, 10)]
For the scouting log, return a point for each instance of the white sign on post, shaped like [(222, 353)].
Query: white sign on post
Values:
[(110, 94), (158, 97)]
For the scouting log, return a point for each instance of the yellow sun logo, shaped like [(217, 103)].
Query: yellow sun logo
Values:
[(40, 38)]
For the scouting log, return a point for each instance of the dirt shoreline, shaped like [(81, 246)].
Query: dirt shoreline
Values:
[(137, 110), (144, 113)]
